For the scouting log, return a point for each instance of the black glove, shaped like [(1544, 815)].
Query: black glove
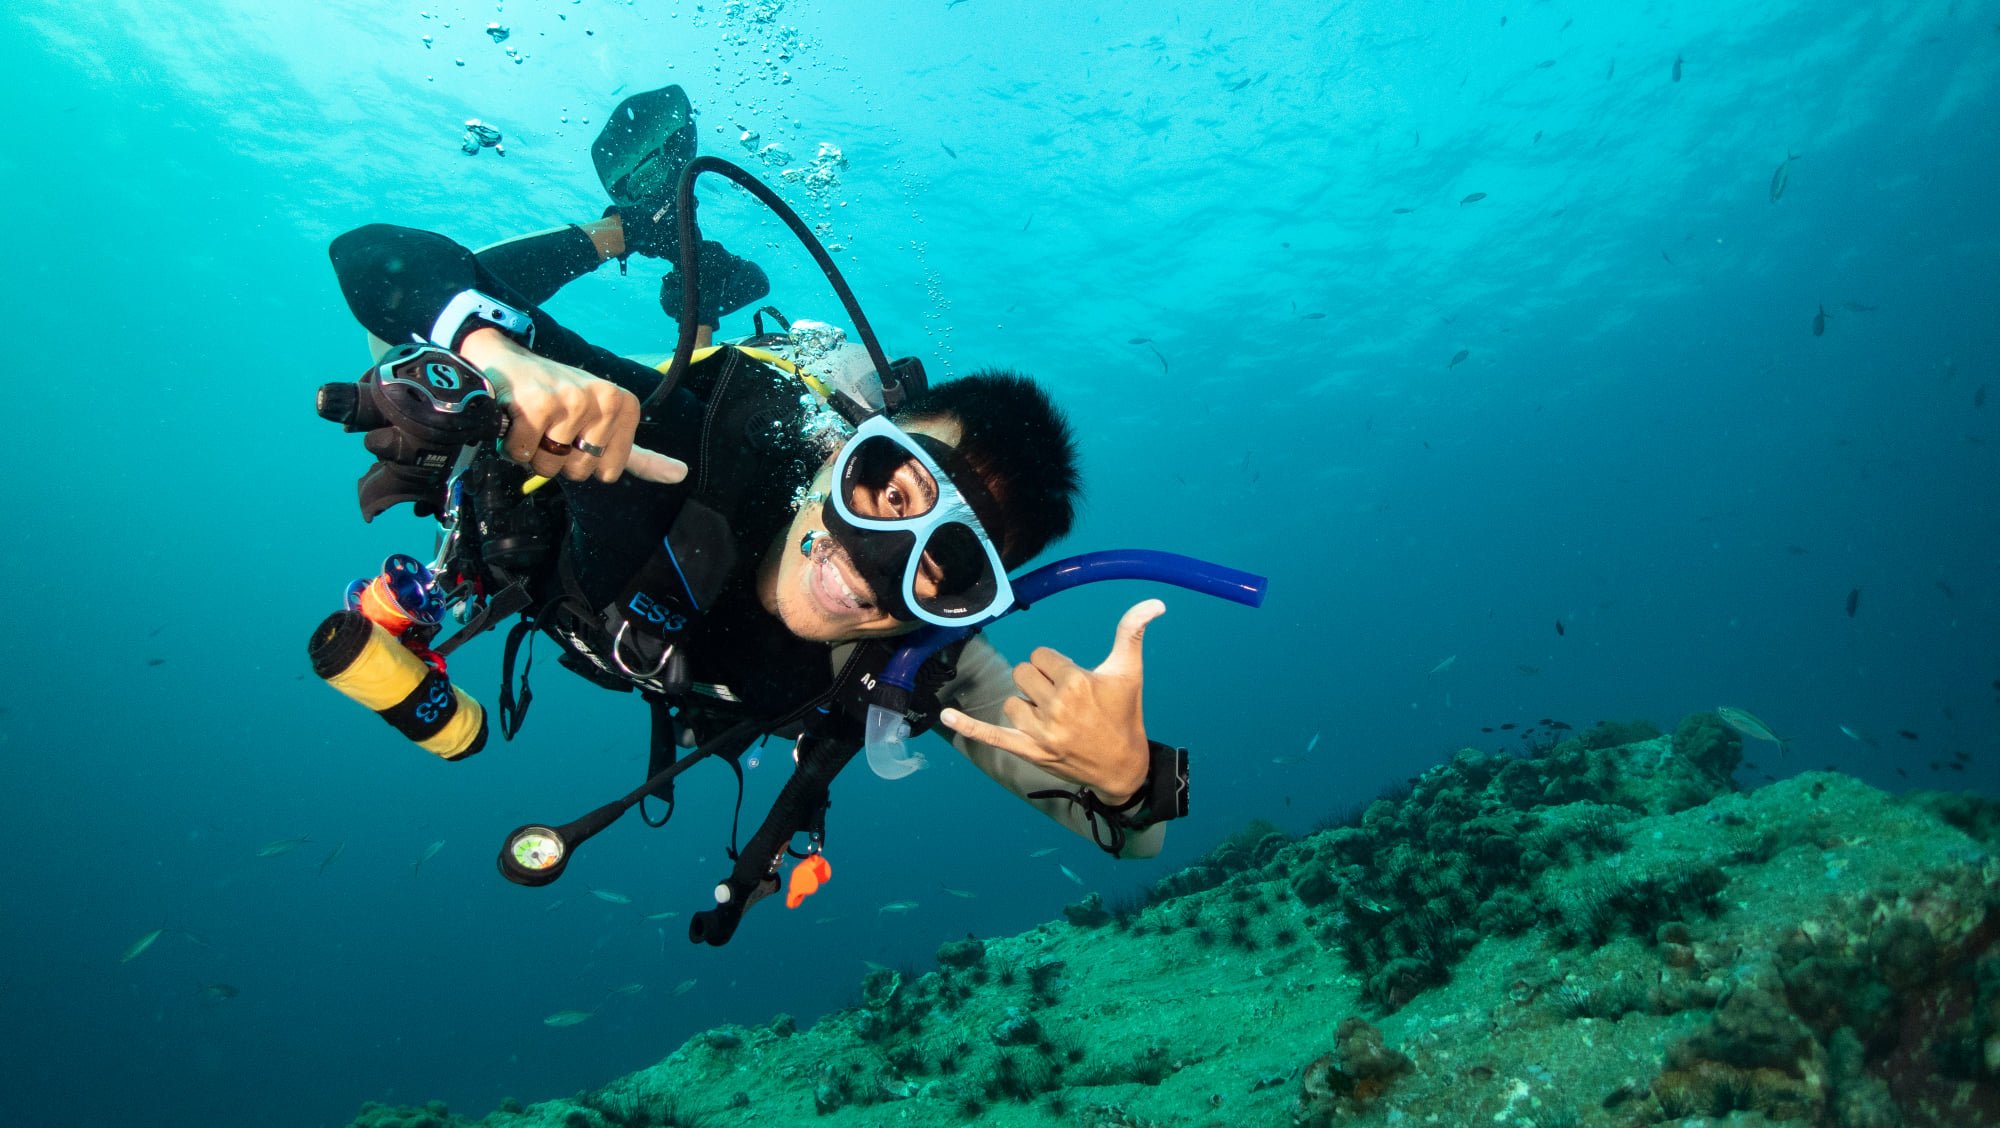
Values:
[(728, 283), (650, 229)]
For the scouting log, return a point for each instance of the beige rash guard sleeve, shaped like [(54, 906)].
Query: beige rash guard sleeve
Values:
[(984, 683)]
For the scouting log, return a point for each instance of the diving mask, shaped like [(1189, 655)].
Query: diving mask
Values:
[(914, 529)]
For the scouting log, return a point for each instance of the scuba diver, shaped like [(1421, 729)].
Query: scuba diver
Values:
[(746, 536)]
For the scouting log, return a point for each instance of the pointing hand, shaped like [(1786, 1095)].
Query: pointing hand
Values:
[(564, 420)]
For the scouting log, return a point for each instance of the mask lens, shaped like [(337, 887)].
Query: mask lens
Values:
[(884, 481), (967, 586), (959, 556)]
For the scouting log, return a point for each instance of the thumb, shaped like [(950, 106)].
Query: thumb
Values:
[(1124, 658), (655, 467)]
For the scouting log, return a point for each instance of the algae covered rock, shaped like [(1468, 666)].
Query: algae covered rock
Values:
[(1338, 1085), (961, 954), (1089, 912), (433, 1114), (1705, 740)]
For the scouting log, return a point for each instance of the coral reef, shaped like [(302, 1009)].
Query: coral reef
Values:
[(1603, 933)]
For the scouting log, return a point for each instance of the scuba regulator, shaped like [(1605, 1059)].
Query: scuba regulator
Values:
[(421, 406)]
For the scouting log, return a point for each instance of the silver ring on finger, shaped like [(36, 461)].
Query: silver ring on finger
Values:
[(589, 448)]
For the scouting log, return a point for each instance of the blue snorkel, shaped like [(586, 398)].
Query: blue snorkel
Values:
[(888, 729)]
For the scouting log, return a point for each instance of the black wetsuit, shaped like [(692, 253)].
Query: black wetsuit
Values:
[(397, 280)]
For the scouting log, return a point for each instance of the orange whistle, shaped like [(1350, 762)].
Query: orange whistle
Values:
[(807, 877)]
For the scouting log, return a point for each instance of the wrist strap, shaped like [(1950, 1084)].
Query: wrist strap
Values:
[(1163, 796), (471, 310)]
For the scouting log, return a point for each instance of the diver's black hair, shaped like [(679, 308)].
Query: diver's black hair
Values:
[(1020, 444)]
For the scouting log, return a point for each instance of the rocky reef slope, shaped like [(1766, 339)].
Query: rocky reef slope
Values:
[(1604, 933)]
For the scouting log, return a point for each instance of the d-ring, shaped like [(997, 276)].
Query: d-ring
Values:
[(618, 639)]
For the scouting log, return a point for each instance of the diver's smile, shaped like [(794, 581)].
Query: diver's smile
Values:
[(833, 581)]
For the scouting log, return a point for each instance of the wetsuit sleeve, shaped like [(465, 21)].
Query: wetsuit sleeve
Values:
[(984, 683), (398, 280), (539, 264)]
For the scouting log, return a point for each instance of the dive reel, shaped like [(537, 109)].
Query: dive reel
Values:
[(421, 407)]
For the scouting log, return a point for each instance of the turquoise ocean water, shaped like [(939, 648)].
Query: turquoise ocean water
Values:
[(1645, 441)]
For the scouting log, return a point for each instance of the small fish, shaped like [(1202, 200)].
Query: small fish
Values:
[(683, 987), (1906, 734), (628, 989), (896, 907), (430, 851), (1288, 761), (1677, 67), (1780, 177), (871, 965), (1559, 628), (1796, 550), (1404, 211), (1155, 350), (1505, 727), (216, 992), (568, 1018), (668, 915), (612, 896), (1538, 138), (156, 661), (1313, 743), (554, 905), (1024, 226), (1859, 737), (1611, 69), (1853, 602), (1456, 358), (1819, 322), (1750, 726), (1311, 316), (331, 857), (1441, 667), (1529, 671), (1043, 852), (140, 945), (965, 893), (1946, 589), (1472, 199), (283, 846), (1486, 729), (1069, 873), (826, 920), (1545, 64), (947, 150), (1979, 397)]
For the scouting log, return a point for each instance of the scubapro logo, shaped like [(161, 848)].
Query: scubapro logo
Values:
[(442, 376)]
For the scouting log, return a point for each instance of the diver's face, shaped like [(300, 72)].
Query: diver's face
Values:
[(821, 596)]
